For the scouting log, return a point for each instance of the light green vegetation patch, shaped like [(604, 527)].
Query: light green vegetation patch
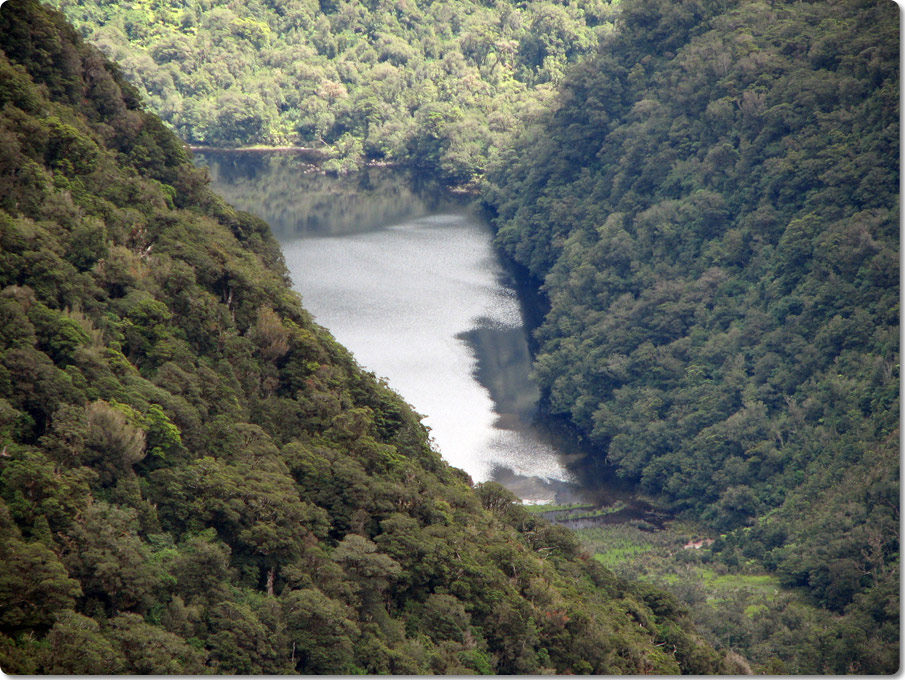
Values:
[(620, 544), (591, 514), (753, 610), (733, 607), (719, 587)]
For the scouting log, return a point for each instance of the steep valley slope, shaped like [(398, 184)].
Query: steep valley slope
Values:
[(713, 211)]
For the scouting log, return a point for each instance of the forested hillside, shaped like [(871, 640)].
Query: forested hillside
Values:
[(439, 84), (196, 478), (713, 211)]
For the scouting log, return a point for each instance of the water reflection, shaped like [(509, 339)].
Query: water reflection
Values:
[(297, 200), (502, 356)]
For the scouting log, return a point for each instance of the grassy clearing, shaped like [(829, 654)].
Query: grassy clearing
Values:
[(763, 582), (622, 547), (758, 581), (731, 607), (662, 556), (619, 544), (616, 556)]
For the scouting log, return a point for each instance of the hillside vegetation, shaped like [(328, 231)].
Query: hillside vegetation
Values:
[(196, 478), (437, 84), (713, 211)]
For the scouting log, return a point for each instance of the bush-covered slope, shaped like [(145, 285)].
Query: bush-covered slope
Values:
[(713, 210), (196, 478), (440, 84)]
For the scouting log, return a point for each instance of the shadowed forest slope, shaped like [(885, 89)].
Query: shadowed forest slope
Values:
[(713, 211), (196, 478)]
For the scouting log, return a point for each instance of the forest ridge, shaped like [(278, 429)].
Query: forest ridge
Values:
[(438, 84)]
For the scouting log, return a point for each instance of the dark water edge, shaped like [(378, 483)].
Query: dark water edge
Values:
[(305, 152), (598, 482), (533, 301)]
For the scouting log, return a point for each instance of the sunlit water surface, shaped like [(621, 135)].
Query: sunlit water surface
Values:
[(413, 287), (401, 299)]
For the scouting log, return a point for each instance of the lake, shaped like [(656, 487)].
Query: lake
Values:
[(406, 277)]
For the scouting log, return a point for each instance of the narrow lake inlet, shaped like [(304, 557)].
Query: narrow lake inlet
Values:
[(408, 280)]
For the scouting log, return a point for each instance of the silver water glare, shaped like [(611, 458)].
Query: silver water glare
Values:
[(410, 283), (401, 299)]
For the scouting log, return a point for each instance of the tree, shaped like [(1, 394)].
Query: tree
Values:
[(77, 645), (320, 632), (34, 585)]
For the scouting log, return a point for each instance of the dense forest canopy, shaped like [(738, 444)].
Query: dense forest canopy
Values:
[(713, 210), (196, 478), (439, 84)]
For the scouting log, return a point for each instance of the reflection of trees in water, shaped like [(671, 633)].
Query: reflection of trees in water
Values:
[(503, 366), (296, 199)]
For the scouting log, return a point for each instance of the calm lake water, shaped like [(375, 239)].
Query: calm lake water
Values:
[(408, 280)]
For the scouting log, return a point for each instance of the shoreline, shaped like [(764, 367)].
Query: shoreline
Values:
[(314, 154), (317, 156), (258, 148)]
